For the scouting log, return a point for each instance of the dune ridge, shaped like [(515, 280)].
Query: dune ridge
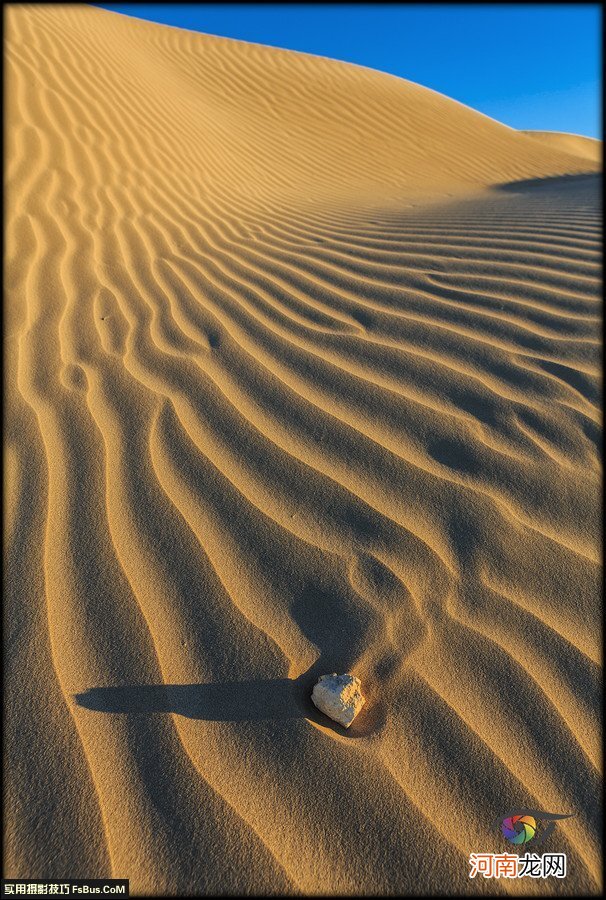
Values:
[(303, 375), (590, 148)]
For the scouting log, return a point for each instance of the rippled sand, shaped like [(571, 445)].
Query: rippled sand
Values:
[(302, 375)]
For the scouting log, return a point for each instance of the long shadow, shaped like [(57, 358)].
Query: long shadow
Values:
[(239, 701), (591, 180), (279, 699)]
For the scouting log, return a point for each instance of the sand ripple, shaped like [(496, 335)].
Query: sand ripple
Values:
[(302, 376)]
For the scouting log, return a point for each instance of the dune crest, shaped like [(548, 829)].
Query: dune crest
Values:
[(576, 144), (302, 373)]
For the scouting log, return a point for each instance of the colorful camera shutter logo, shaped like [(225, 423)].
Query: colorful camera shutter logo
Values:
[(519, 829)]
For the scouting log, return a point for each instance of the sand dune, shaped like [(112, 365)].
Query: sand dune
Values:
[(302, 373), (570, 143)]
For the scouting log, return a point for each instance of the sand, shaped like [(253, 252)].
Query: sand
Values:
[(571, 143), (302, 376)]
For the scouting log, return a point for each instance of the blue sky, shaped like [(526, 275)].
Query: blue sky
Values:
[(528, 66)]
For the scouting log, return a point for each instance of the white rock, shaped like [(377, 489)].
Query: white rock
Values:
[(339, 696)]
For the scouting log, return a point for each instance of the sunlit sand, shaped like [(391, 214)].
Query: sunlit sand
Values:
[(302, 376)]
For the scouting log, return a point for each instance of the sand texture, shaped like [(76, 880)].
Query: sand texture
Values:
[(571, 143), (301, 376)]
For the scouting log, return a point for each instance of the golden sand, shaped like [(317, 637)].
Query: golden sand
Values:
[(302, 373)]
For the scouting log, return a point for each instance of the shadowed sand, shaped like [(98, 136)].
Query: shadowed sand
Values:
[(237, 702), (302, 376)]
